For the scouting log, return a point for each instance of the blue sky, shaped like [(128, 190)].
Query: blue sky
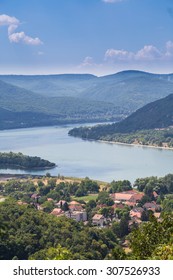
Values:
[(85, 36)]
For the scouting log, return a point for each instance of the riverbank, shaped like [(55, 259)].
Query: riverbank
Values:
[(133, 144)]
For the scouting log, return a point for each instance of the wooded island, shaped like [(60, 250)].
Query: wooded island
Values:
[(18, 160)]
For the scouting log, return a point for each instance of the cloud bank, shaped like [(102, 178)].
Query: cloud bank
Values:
[(16, 37), (148, 53)]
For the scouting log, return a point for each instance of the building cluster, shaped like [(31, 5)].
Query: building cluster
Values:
[(76, 210)]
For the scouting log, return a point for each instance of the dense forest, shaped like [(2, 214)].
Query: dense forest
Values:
[(18, 160)]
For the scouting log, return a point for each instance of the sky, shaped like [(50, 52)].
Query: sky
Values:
[(85, 36)]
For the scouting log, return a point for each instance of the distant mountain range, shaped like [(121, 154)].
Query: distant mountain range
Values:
[(53, 99)]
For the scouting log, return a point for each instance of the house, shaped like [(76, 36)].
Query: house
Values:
[(136, 212), (155, 195), (35, 196), (73, 202), (39, 207), (118, 206), (98, 220), (152, 206), (134, 221), (21, 203), (121, 197), (60, 203), (130, 203), (127, 196), (136, 197), (78, 216), (75, 206), (49, 199), (157, 215), (57, 212)]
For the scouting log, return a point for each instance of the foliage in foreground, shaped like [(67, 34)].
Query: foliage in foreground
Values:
[(25, 231)]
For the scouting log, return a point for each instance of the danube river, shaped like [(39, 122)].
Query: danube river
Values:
[(80, 158)]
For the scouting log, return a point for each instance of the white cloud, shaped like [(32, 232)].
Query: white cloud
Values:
[(22, 37), (7, 20), (12, 28), (146, 54), (88, 60), (111, 1), (118, 54), (17, 37)]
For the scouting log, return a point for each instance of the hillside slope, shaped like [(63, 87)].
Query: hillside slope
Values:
[(158, 114)]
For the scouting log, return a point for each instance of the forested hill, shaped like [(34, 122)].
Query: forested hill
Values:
[(158, 114), (18, 160)]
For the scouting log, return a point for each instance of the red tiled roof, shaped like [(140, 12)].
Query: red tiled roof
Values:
[(75, 207), (74, 203), (57, 211), (97, 217), (136, 197), (122, 196)]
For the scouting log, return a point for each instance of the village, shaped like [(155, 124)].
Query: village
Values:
[(86, 215), (95, 212)]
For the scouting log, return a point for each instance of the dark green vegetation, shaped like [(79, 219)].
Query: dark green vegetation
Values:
[(152, 137), (29, 233), (158, 138), (158, 114), (26, 232), (162, 185), (27, 101), (150, 125), (153, 240), (18, 160)]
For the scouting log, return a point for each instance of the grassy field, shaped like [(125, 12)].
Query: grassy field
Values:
[(86, 198)]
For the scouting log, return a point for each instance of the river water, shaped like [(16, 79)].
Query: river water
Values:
[(80, 158)]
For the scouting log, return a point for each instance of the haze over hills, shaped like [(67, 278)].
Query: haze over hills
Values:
[(129, 90), (67, 98), (23, 108), (52, 85)]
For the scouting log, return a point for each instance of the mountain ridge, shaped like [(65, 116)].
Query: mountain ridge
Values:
[(82, 97)]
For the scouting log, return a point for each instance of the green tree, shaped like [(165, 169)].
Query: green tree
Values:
[(58, 253)]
